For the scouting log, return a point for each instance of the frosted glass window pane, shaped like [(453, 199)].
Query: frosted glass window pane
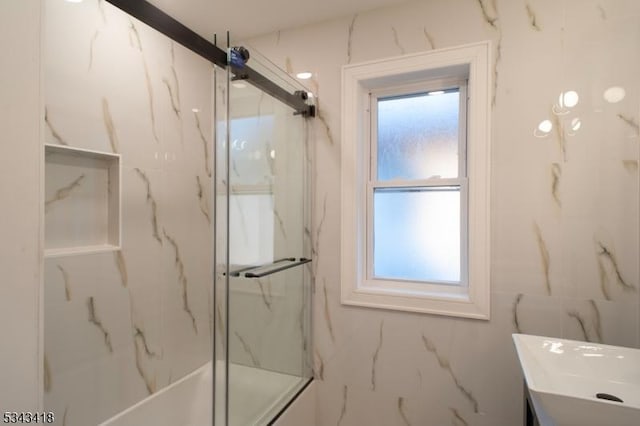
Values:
[(418, 136), (417, 234)]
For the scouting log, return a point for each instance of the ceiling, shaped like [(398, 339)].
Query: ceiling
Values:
[(249, 18)]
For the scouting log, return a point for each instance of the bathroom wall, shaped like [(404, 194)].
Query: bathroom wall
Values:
[(564, 206), (120, 325), (20, 115)]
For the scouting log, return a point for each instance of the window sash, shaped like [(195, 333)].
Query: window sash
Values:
[(417, 89), (369, 237), (430, 288)]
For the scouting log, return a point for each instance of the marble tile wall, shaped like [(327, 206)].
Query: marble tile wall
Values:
[(564, 217), (20, 177), (121, 325)]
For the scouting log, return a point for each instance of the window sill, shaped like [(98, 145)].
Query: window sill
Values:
[(455, 304)]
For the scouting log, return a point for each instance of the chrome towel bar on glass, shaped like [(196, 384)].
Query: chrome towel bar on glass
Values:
[(246, 272)]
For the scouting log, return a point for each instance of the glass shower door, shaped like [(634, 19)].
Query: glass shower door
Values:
[(267, 327)]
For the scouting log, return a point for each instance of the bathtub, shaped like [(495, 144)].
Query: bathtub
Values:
[(188, 401)]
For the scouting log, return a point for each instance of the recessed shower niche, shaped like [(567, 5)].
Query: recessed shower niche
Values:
[(82, 201)]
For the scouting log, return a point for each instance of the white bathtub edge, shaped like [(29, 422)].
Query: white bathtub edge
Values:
[(123, 414)]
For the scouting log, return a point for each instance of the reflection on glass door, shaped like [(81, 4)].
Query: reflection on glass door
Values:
[(268, 309)]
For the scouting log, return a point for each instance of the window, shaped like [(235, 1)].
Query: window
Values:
[(415, 183)]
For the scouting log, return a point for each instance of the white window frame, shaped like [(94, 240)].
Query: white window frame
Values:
[(370, 152), (411, 74)]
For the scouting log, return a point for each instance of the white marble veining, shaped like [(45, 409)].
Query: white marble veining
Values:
[(565, 238), (122, 325)]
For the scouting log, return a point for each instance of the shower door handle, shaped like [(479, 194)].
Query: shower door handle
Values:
[(300, 261), (237, 272)]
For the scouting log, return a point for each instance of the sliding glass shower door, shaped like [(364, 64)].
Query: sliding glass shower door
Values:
[(263, 205), (141, 272)]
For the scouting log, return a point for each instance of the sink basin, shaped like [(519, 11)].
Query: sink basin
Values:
[(579, 383)]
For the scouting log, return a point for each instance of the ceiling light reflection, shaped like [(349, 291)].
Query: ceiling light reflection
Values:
[(569, 99), (304, 75), (543, 129), (556, 347), (614, 94), (566, 101), (545, 126), (576, 124)]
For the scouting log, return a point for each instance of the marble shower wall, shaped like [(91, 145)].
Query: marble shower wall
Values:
[(564, 236), (120, 325)]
